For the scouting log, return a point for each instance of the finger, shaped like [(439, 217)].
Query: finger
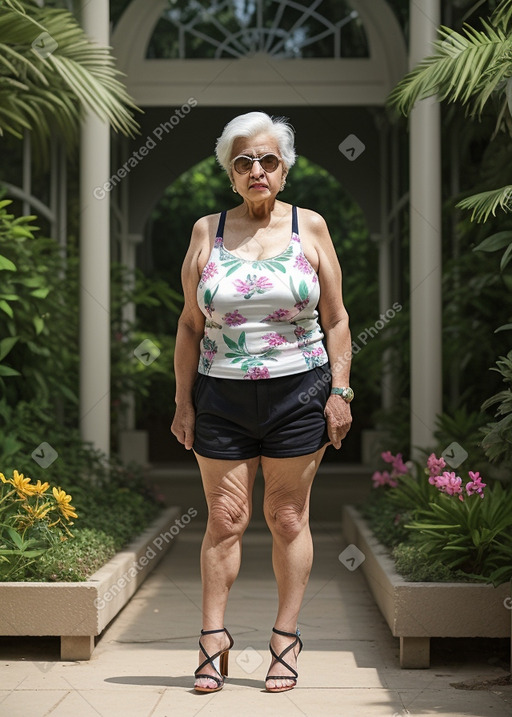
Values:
[(189, 439)]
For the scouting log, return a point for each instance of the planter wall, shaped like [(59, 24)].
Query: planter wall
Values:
[(78, 611), (415, 612)]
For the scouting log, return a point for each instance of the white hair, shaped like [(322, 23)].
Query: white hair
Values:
[(250, 125)]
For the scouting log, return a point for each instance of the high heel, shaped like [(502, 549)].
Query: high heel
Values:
[(279, 658), (219, 662)]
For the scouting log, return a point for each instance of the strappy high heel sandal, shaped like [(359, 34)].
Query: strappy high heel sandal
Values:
[(279, 658), (219, 662)]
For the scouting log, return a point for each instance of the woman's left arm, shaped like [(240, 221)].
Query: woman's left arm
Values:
[(333, 320)]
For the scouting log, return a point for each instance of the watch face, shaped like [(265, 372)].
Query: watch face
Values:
[(348, 394)]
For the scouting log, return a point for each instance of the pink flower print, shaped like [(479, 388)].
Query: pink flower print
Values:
[(274, 339), (277, 315), (295, 237), (218, 242), (252, 285), (383, 478), (435, 465), (299, 332), (475, 485), (300, 305), (302, 264), (209, 270), (256, 372), (234, 318)]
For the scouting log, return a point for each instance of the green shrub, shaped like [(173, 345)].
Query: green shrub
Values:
[(411, 564), (75, 559)]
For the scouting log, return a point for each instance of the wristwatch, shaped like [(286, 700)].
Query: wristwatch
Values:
[(345, 392)]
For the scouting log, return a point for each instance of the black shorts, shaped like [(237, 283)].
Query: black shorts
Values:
[(238, 419)]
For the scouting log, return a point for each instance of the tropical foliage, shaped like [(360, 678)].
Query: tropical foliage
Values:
[(50, 72), (455, 525), (473, 68)]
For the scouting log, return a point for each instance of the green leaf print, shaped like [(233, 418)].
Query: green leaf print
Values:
[(229, 342), (303, 290), (234, 266)]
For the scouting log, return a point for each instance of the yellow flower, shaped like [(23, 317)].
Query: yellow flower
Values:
[(3, 478), (22, 484), (64, 503), (37, 513), (40, 488)]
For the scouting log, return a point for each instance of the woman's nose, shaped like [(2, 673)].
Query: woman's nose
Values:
[(256, 169)]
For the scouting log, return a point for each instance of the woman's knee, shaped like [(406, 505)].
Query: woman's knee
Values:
[(227, 517), (286, 520)]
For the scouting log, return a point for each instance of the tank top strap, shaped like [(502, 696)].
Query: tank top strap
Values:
[(222, 221), (295, 221), (220, 228)]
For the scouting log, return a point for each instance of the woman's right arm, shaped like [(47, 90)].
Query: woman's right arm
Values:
[(189, 334)]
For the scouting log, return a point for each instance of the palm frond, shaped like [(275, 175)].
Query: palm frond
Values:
[(484, 204), (50, 93), (457, 70), (502, 16)]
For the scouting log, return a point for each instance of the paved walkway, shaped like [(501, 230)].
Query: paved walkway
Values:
[(142, 665)]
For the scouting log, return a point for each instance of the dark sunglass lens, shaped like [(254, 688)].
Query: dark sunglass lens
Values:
[(269, 162), (242, 165)]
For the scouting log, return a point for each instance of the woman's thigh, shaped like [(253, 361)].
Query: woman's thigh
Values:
[(228, 484), (288, 481)]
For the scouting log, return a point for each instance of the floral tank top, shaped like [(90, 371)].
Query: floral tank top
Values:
[(261, 318)]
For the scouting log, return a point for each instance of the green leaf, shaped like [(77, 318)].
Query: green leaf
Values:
[(6, 345), (507, 255), (6, 264), (504, 327), (6, 307), (484, 204), (303, 290), (495, 242), (8, 371), (16, 538), (38, 324), (229, 342), (40, 293)]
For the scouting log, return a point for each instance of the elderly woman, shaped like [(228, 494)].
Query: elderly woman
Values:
[(260, 381)]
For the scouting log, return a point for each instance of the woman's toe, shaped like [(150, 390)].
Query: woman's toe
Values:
[(205, 683)]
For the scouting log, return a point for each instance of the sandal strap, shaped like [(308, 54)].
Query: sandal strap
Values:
[(210, 658), (279, 658)]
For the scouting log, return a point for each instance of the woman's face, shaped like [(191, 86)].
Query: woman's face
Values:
[(257, 184)]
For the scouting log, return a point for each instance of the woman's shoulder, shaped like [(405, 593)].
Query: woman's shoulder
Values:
[(312, 222), (204, 224)]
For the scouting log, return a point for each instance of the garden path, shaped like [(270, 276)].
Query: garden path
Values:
[(142, 665)]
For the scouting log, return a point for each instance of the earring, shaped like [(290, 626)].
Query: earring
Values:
[(234, 188), (283, 185)]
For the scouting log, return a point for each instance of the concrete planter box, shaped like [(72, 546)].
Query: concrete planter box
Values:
[(78, 611), (415, 612)]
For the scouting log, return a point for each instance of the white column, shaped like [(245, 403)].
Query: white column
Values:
[(95, 258), (425, 205)]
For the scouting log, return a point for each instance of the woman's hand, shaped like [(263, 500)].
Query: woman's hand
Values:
[(183, 424), (339, 419)]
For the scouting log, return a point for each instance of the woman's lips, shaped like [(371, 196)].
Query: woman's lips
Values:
[(258, 186)]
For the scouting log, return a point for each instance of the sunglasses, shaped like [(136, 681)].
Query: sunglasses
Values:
[(243, 164)]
